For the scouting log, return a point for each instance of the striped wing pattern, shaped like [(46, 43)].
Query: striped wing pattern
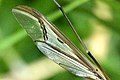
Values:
[(51, 42)]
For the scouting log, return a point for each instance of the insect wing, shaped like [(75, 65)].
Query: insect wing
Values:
[(48, 40), (29, 23)]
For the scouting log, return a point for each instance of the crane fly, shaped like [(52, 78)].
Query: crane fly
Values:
[(56, 46)]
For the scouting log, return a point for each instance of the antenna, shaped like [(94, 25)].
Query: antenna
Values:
[(80, 40), (68, 20)]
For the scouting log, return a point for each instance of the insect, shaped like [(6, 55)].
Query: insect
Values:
[(53, 43)]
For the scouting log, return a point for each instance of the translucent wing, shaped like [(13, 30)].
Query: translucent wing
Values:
[(54, 44)]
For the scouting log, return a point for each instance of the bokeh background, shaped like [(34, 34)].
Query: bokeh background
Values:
[(96, 21)]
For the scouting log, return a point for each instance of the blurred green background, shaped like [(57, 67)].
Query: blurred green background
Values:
[(96, 21)]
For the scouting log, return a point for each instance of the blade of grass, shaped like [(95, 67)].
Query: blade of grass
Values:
[(11, 40)]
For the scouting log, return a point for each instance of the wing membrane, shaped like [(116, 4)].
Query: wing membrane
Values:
[(64, 61), (29, 23), (53, 43)]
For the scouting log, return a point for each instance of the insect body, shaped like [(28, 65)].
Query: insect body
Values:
[(52, 42)]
